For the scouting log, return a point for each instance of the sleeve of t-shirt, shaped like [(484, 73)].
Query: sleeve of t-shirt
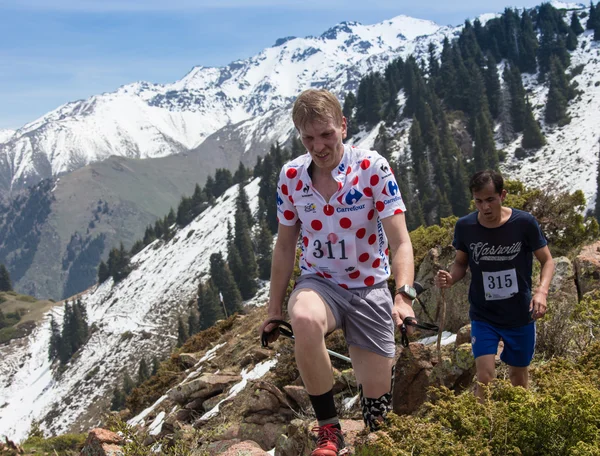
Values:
[(386, 194), (534, 235), (458, 243), (286, 211)]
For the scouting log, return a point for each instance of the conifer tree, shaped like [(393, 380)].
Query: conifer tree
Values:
[(118, 400), (5, 282), (532, 135), (558, 92), (210, 186), (211, 310), (593, 18), (460, 192), (143, 372), (264, 248), (193, 323), (492, 86), (155, 366), (257, 170), (149, 235), (434, 66), (447, 79), (298, 148), (484, 151), (243, 242), (3, 323), (243, 206), (128, 384), (419, 217), (182, 332), (241, 175), (225, 283), (223, 180), (137, 247), (575, 24), (597, 29), (171, 217), (68, 336), (55, 340), (528, 45), (184, 211), (267, 190), (571, 40), (514, 82), (444, 206)]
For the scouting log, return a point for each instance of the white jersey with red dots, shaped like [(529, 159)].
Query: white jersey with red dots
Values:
[(342, 239)]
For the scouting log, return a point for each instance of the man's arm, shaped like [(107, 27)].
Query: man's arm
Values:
[(403, 264), (458, 269), (538, 302), (282, 266)]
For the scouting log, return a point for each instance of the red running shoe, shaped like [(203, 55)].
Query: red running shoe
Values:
[(329, 441)]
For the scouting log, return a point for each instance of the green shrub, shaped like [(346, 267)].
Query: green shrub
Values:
[(558, 416), (67, 444), (425, 238)]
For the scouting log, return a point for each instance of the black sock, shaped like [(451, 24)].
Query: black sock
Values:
[(324, 407)]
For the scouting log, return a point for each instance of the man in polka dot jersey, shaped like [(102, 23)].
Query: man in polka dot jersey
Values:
[(345, 204)]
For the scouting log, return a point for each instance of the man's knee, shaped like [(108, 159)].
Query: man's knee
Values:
[(519, 376)]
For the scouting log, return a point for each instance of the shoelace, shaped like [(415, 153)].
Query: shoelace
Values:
[(327, 434), (412, 322)]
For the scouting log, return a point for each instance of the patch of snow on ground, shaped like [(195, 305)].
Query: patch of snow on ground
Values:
[(256, 373)]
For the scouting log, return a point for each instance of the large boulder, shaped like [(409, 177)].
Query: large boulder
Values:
[(554, 330), (457, 297), (587, 268), (234, 447), (419, 368), (101, 442), (260, 413), (208, 385)]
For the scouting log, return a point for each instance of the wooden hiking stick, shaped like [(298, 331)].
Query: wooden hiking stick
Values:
[(442, 322)]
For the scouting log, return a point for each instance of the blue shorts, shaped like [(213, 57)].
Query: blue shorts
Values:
[(519, 343)]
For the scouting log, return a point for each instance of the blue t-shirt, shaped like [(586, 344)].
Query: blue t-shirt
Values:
[(500, 260)]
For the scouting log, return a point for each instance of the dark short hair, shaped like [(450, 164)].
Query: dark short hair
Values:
[(482, 178)]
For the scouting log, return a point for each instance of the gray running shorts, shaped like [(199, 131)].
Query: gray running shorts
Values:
[(364, 314)]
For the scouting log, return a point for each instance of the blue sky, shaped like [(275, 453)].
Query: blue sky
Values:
[(55, 51)]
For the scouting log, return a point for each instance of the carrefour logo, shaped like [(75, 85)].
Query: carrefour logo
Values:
[(341, 168), (279, 200), (353, 196), (391, 188)]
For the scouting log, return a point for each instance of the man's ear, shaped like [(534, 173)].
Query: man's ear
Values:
[(503, 195)]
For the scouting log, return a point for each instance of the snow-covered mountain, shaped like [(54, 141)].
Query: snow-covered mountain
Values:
[(145, 120), (137, 316), (5, 134)]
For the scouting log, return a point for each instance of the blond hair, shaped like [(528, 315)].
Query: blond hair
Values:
[(316, 105)]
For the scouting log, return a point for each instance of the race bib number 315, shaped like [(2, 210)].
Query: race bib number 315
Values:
[(500, 284)]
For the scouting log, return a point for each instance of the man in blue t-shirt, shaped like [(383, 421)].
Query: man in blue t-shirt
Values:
[(498, 244)]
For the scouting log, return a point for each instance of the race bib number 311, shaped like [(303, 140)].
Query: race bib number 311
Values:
[(500, 284), (333, 254)]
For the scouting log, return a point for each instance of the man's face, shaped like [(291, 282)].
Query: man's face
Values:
[(323, 141), (489, 202)]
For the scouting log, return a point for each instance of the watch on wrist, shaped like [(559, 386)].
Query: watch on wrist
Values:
[(408, 291)]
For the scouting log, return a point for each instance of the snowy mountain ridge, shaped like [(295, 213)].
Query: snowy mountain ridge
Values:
[(143, 120)]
